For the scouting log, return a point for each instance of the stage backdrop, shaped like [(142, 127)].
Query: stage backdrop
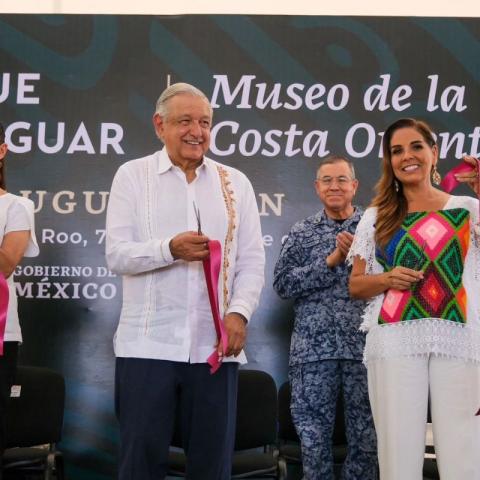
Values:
[(77, 94)]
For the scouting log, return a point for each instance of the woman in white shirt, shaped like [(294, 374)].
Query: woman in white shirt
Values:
[(17, 239), (416, 255)]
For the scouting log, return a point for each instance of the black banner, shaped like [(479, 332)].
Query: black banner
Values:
[(77, 94)]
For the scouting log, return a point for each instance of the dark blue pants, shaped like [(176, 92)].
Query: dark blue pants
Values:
[(147, 396)]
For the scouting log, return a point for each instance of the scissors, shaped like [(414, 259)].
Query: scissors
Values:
[(197, 215), (418, 262), (419, 259)]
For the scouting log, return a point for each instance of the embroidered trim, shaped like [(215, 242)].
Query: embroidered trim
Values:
[(363, 244), (419, 337), (228, 197)]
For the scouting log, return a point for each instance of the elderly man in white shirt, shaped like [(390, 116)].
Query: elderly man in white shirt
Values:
[(166, 331)]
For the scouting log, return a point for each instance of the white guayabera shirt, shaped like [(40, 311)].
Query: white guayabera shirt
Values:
[(166, 312)]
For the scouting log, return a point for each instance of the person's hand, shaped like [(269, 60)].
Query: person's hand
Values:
[(343, 243), (470, 178), (402, 278), (236, 328), (189, 246)]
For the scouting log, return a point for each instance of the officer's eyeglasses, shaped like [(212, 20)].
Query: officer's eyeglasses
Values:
[(341, 181)]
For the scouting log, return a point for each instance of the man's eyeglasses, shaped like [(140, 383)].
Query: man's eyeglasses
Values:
[(341, 181)]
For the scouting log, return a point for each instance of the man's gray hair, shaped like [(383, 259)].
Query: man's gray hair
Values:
[(161, 107), (332, 159)]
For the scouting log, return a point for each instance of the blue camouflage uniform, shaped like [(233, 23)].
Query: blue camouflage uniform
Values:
[(326, 350)]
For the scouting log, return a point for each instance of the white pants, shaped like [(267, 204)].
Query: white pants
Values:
[(398, 390)]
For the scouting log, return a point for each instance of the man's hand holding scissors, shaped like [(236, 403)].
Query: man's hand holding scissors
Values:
[(190, 246)]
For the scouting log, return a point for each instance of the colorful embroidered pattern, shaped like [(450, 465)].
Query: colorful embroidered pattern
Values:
[(229, 198), (436, 243)]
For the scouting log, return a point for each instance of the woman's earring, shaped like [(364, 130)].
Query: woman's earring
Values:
[(396, 185), (436, 177)]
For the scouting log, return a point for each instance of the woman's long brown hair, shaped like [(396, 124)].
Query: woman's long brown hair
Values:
[(391, 204)]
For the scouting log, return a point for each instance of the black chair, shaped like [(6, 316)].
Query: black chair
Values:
[(255, 453), (289, 443), (34, 424), (430, 469)]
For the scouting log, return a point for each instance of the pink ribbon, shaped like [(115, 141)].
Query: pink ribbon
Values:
[(211, 269), (4, 294), (450, 182)]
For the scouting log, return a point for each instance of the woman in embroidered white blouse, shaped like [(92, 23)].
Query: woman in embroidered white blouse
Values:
[(416, 257)]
